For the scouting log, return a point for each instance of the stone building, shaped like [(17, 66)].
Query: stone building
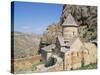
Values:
[(47, 52), (70, 48)]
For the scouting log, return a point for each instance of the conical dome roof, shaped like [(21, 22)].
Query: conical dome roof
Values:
[(70, 21)]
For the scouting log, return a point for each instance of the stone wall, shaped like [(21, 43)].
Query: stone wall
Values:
[(24, 64), (86, 55), (58, 47), (72, 60), (76, 60), (43, 55), (67, 61), (57, 67), (92, 52), (70, 32)]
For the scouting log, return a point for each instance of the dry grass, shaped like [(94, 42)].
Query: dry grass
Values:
[(25, 64)]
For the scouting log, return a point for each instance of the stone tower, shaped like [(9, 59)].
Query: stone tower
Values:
[(69, 28)]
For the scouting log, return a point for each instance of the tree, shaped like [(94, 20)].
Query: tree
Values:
[(51, 61)]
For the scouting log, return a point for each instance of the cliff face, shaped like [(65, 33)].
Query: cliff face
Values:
[(86, 17)]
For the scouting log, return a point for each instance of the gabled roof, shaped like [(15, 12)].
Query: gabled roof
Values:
[(49, 48), (64, 50), (69, 21), (77, 44), (62, 41)]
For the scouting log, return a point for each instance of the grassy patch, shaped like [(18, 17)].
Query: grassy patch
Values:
[(90, 66), (25, 65), (34, 66)]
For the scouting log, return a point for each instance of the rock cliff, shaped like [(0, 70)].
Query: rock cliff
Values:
[(86, 17)]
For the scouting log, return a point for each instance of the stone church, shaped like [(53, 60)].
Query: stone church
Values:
[(69, 48)]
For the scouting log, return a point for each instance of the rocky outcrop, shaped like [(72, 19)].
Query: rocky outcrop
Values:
[(51, 33), (86, 17)]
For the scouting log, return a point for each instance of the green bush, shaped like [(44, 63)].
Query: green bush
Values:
[(51, 61), (90, 66), (33, 67)]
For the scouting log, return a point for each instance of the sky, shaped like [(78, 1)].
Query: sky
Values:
[(35, 17)]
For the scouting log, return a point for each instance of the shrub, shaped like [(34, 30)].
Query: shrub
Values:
[(33, 67), (51, 61), (90, 66)]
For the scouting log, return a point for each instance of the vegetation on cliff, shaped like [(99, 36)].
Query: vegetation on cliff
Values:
[(86, 17), (51, 33)]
